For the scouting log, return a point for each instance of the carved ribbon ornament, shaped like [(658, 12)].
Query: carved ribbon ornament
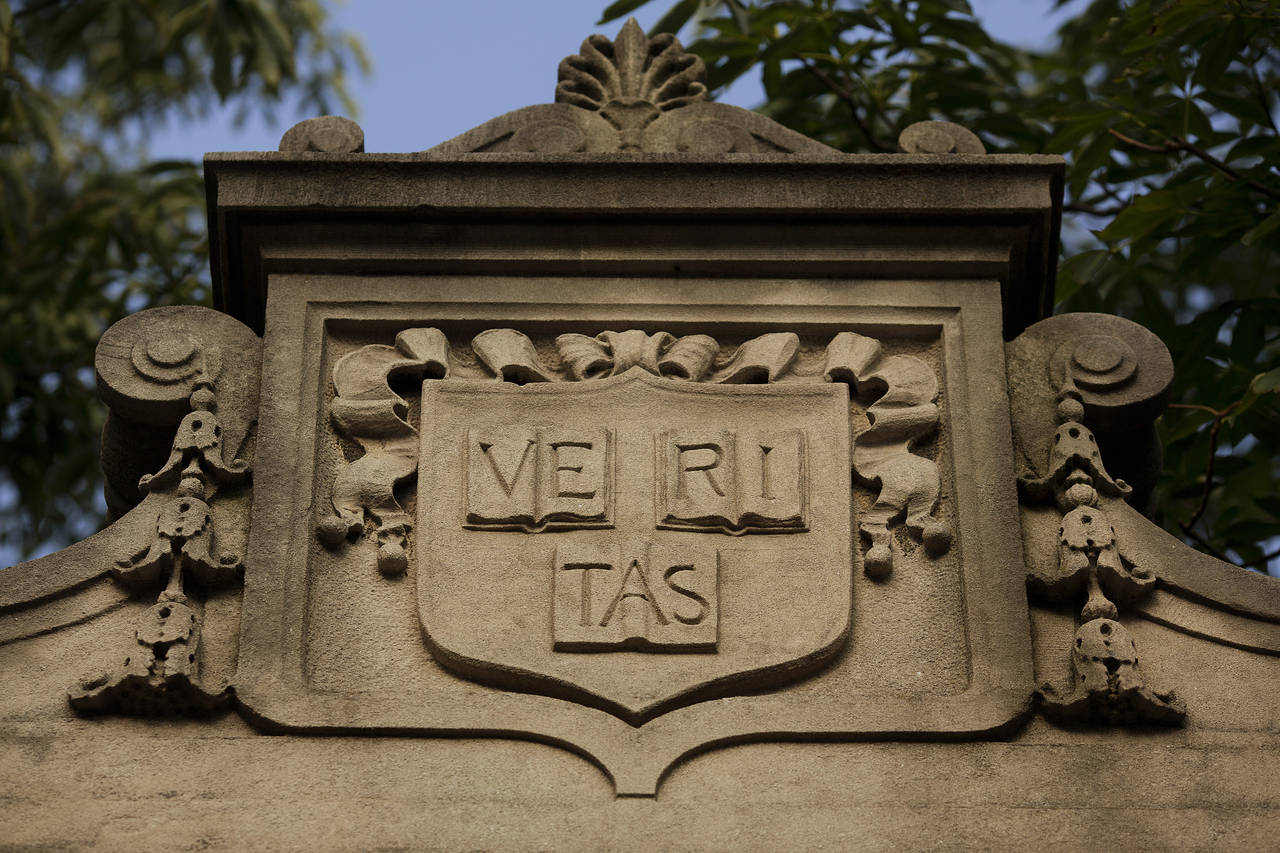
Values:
[(903, 411), (512, 356)]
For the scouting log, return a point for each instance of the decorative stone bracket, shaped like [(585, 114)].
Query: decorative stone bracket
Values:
[(173, 352), (1108, 686), (367, 411)]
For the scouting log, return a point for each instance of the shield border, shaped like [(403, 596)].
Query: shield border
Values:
[(772, 675)]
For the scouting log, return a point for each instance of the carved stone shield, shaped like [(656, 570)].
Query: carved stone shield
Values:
[(634, 543)]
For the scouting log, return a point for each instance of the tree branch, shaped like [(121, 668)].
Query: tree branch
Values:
[(1263, 560), (845, 95), (1205, 546), (1199, 408), (1177, 143), (1218, 415)]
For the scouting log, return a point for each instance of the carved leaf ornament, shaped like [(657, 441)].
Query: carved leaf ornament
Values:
[(368, 411), (903, 411), (904, 414), (631, 80)]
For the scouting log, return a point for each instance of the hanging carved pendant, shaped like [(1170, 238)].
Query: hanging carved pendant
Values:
[(1107, 687), (160, 677), (146, 362)]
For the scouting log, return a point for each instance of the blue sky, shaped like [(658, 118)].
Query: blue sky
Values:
[(441, 68)]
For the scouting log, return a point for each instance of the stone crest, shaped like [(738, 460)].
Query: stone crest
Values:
[(676, 537)]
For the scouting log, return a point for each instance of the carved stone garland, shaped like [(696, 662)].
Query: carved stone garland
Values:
[(160, 676), (1107, 684), (367, 411)]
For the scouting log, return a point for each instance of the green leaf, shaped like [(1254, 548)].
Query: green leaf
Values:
[(619, 8), (1224, 46), (1242, 107), (1266, 146), (1088, 161), (1077, 271), (675, 18), (1141, 218), (1262, 230), (1266, 383)]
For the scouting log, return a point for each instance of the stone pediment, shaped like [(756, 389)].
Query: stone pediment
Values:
[(632, 94)]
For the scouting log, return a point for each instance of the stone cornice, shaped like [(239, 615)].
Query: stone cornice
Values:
[(1011, 204)]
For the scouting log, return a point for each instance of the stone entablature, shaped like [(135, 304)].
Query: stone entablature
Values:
[(571, 432)]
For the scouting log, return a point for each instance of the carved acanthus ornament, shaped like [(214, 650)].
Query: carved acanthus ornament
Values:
[(369, 412), (902, 391), (634, 93), (160, 675), (631, 80), (1108, 686), (904, 413)]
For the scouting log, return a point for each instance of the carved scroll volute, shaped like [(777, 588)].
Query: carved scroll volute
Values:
[(1122, 373), (147, 365), (1110, 373), (939, 137), (197, 369), (367, 411), (902, 413)]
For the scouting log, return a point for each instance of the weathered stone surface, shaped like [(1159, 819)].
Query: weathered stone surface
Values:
[(628, 474), (939, 137), (327, 134)]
